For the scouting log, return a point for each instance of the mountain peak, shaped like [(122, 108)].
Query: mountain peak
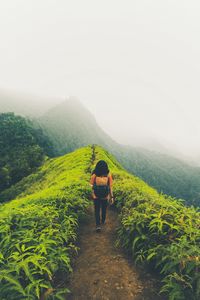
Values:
[(72, 108)]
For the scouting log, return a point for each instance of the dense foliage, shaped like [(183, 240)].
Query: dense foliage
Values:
[(22, 148), (159, 231), (38, 229)]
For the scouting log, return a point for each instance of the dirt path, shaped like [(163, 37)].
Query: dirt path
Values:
[(104, 272)]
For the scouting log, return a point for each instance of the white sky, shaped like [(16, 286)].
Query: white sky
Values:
[(134, 64)]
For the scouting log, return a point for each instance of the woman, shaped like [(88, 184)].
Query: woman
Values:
[(101, 182)]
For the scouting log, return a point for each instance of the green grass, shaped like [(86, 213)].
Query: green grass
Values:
[(158, 231), (38, 228)]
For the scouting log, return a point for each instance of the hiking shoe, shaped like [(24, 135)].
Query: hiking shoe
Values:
[(98, 228)]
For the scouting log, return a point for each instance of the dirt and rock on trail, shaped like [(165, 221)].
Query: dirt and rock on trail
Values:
[(103, 271)]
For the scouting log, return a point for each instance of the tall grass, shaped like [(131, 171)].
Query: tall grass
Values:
[(38, 228), (159, 231)]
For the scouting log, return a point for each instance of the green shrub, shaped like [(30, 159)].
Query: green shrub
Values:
[(158, 231), (38, 229)]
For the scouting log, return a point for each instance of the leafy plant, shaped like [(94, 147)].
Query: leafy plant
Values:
[(38, 228)]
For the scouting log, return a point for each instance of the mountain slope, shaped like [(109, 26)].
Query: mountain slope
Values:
[(23, 147), (70, 125), (38, 228), (158, 231), (167, 174)]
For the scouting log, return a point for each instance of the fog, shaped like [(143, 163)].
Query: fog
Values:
[(134, 64)]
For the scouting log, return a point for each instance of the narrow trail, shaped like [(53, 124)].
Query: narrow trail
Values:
[(104, 272)]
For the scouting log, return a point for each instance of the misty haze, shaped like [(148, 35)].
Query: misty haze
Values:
[(99, 150), (135, 66)]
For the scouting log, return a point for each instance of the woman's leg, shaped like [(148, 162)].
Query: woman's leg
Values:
[(97, 205), (104, 204)]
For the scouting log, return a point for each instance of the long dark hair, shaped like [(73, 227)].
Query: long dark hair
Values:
[(101, 168)]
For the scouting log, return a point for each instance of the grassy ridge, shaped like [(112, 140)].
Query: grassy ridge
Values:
[(158, 231), (38, 229)]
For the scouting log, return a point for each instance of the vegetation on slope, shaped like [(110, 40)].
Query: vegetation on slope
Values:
[(23, 147), (159, 231), (167, 174), (38, 229), (70, 125)]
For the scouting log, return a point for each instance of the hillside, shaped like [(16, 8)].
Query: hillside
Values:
[(167, 174), (70, 126), (38, 230), (23, 147)]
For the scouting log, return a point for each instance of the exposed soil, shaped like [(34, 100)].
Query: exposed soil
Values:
[(104, 272)]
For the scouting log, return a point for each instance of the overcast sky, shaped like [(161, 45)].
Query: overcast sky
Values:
[(134, 64)]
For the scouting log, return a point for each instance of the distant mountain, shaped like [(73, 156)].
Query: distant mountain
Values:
[(167, 174), (70, 125), (23, 147)]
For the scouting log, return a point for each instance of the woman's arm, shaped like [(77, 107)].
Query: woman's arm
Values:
[(111, 190), (111, 196), (91, 184)]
